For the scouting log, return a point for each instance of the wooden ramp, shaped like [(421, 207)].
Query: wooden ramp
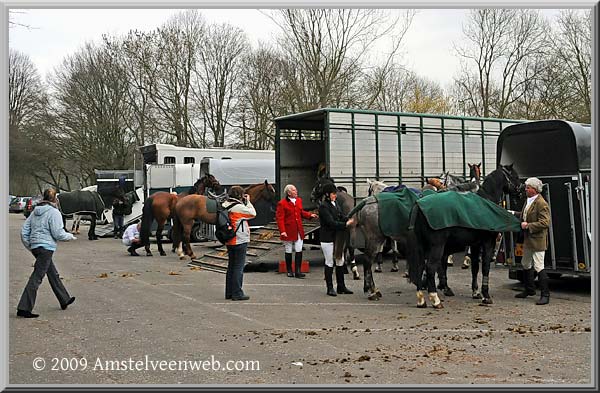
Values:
[(264, 245)]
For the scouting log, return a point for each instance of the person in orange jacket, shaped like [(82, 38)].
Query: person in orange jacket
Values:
[(289, 216), (240, 211)]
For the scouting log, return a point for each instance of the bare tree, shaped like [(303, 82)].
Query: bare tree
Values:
[(573, 48), (91, 103), (500, 56), (26, 94), (327, 47), (260, 100), (218, 74)]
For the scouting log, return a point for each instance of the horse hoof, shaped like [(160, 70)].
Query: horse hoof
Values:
[(394, 269), (477, 296), (439, 306), (424, 305), (378, 293), (356, 277), (163, 254), (193, 256), (377, 270), (148, 254), (487, 301), (373, 296), (448, 292), (182, 258)]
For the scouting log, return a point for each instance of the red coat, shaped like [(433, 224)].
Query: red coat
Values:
[(289, 218)]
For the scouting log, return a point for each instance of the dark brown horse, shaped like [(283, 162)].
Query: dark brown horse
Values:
[(187, 210), (160, 206)]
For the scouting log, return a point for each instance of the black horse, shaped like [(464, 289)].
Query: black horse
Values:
[(428, 247), (344, 239), (82, 202)]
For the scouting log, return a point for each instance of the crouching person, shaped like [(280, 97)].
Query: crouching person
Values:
[(131, 238), (332, 220)]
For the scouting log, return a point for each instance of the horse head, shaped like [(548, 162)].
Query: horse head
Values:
[(504, 179), (317, 191), (375, 186), (205, 183), (475, 173), (435, 182), (261, 191)]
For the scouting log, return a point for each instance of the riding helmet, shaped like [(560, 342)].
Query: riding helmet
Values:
[(329, 188)]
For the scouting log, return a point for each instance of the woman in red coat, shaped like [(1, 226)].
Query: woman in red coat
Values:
[(289, 216)]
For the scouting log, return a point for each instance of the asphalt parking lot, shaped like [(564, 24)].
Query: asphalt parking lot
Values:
[(154, 320)]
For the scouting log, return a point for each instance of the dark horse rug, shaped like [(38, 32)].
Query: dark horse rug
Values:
[(81, 202)]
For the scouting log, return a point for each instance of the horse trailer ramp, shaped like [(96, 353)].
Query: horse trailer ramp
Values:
[(264, 247)]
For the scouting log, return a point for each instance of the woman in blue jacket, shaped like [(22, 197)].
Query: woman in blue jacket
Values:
[(42, 229)]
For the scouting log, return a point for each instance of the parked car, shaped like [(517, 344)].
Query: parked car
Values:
[(18, 204), (31, 203)]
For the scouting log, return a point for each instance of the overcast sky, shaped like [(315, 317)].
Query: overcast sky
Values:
[(53, 34)]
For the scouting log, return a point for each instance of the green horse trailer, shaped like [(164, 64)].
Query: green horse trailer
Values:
[(396, 148), (559, 154)]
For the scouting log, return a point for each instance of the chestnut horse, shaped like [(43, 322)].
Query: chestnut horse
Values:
[(259, 191), (160, 206), (187, 210)]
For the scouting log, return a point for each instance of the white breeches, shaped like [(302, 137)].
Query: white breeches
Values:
[(535, 258), (327, 249), (295, 246)]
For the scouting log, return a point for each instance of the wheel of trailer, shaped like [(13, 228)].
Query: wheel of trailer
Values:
[(196, 234)]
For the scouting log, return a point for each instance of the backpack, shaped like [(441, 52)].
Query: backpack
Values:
[(224, 228)]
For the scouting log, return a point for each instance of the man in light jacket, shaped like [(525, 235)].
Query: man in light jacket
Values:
[(42, 229)]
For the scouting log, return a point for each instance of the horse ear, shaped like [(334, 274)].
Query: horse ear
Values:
[(479, 164)]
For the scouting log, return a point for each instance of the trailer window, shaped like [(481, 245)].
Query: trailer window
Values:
[(169, 160), (189, 160)]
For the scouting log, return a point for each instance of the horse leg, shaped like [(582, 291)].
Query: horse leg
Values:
[(443, 276), (378, 260), (433, 266), (395, 255), (475, 272), (187, 231), (486, 259), (159, 230), (353, 267), (92, 231)]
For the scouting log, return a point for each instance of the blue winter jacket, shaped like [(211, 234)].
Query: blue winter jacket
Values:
[(43, 228)]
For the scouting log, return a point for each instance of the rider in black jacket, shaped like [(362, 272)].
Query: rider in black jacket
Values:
[(332, 221)]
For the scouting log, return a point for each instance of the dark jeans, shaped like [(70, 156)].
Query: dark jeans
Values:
[(43, 266), (118, 222), (235, 270)]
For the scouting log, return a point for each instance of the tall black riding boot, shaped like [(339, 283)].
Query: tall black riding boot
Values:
[(298, 265), (544, 289), (288, 264), (339, 278), (329, 280), (529, 290)]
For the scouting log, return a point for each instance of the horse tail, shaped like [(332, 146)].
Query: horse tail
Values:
[(358, 207), (147, 218), (415, 259)]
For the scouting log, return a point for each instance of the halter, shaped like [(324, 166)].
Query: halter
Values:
[(508, 179)]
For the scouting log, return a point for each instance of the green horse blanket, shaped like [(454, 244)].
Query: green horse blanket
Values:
[(468, 210)]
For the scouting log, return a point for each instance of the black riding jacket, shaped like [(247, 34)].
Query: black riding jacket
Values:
[(332, 220)]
